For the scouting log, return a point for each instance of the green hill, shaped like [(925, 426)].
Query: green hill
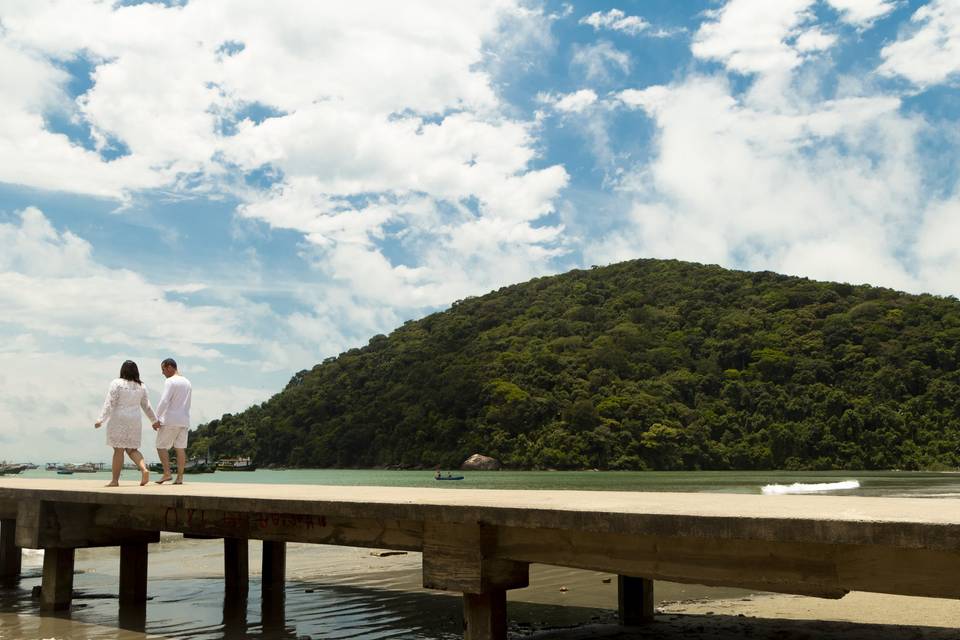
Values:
[(648, 364)]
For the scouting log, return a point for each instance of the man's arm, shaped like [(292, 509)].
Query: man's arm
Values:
[(163, 404)]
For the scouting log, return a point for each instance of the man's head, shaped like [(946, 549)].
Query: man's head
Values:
[(168, 367)]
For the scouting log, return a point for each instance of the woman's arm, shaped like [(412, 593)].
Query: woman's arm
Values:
[(113, 397)]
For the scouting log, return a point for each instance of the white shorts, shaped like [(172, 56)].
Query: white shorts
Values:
[(169, 436)]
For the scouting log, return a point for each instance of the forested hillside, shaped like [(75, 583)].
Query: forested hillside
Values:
[(648, 364)]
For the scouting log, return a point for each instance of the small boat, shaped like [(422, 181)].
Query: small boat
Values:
[(198, 466), (11, 469), (192, 466), (64, 471), (448, 477), (52, 466), (87, 467), (236, 464)]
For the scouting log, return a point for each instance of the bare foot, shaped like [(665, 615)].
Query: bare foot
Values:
[(112, 484), (167, 479), (145, 479), (179, 481)]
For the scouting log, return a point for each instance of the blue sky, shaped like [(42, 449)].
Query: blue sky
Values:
[(252, 191)]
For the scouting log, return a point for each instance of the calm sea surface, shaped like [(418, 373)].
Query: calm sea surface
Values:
[(335, 592), (872, 483)]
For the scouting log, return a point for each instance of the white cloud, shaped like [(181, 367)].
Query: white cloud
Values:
[(938, 246), (167, 67), (862, 13), (758, 36), (597, 60), (814, 40), (616, 20), (575, 102), (385, 126), (50, 283), (827, 189), (930, 52)]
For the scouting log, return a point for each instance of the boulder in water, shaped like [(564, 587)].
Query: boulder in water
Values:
[(477, 462)]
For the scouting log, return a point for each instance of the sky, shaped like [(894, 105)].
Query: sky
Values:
[(254, 187)]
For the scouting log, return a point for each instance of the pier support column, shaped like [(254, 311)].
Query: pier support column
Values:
[(133, 574), (273, 587), (460, 557), (236, 570), (57, 589), (274, 568), (485, 615), (634, 600), (10, 553)]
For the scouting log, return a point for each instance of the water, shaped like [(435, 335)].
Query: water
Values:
[(872, 483), (337, 592)]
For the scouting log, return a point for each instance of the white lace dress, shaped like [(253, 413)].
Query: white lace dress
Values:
[(121, 412)]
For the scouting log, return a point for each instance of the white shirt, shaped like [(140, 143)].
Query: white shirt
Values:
[(174, 407)]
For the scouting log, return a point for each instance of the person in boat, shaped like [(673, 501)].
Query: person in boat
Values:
[(173, 420), (126, 397)]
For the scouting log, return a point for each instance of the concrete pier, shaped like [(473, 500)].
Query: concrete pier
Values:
[(481, 543)]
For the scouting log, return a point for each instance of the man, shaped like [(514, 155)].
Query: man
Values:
[(173, 420)]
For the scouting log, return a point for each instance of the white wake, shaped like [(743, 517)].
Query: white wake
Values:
[(817, 487)]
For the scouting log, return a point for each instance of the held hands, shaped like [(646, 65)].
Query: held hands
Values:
[(156, 425)]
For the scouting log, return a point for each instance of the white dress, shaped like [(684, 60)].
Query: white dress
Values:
[(121, 412)]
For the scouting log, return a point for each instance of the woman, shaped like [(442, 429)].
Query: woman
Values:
[(121, 411)]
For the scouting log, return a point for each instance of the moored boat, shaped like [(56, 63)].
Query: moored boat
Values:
[(199, 466), (236, 464), (192, 466), (11, 469)]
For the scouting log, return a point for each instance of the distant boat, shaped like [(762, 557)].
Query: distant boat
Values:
[(52, 466), (236, 464), (192, 466), (11, 469), (199, 466), (86, 467), (448, 477)]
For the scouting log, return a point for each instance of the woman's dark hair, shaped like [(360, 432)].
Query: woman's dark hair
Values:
[(129, 371)]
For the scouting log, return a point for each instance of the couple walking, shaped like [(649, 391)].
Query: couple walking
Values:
[(121, 411)]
